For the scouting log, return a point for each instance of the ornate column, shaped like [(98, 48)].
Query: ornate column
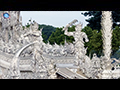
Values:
[(106, 23)]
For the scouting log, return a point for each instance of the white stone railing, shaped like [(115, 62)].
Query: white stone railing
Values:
[(6, 65)]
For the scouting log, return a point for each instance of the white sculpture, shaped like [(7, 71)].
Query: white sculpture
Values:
[(29, 43), (106, 23), (52, 71), (82, 60)]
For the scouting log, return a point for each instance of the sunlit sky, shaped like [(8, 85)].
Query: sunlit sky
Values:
[(54, 18)]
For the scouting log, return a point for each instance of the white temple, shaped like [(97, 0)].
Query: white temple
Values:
[(23, 55)]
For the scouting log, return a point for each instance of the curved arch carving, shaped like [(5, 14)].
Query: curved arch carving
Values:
[(14, 67)]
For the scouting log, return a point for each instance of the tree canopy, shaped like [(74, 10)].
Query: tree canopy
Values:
[(115, 39), (95, 41), (47, 31), (94, 19), (59, 37)]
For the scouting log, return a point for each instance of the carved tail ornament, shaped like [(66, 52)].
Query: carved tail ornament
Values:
[(14, 67)]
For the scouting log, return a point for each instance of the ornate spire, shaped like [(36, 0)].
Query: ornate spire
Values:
[(106, 24)]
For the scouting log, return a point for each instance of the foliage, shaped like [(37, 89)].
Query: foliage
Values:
[(28, 25), (115, 39), (94, 23), (95, 19), (95, 41), (88, 31), (59, 37), (71, 29), (23, 27), (47, 31)]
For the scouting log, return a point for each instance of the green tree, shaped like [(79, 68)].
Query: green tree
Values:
[(95, 41), (56, 36), (28, 25), (88, 31), (59, 37), (71, 29), (115, 39), (47, 31), (95, 19)]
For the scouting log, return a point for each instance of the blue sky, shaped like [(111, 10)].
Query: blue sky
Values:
[(54, 18)]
